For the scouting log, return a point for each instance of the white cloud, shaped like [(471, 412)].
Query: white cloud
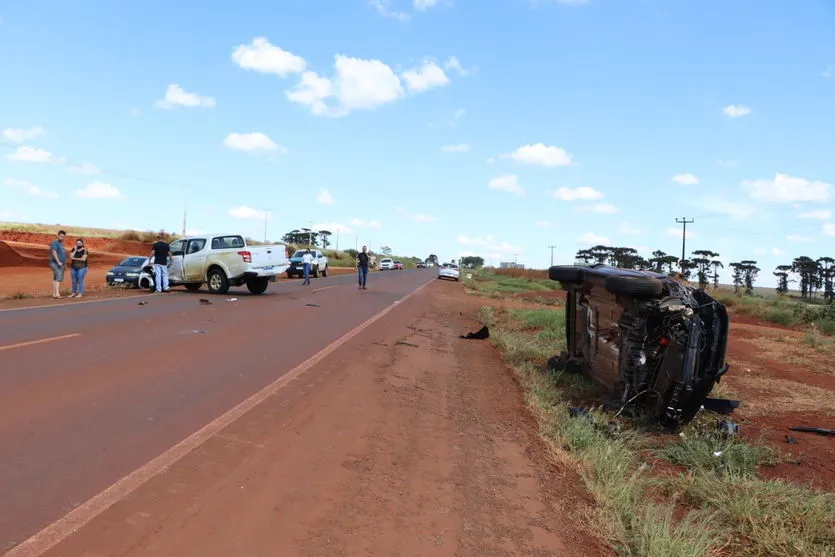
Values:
[(325, 197), (828, 72), (134, 112), (818, 214), (829, 229), (427, 76), (508, 183), (452, 63), (176, 96), (723, 206), (583, 193), (423, 5), (383, 8), (543, 224), (736, 110), (333, 227), (797, 238), (786, 189), (195, 232), (245, 212), (262, 56), (490, 243), (777, 251), (359, 223), (29, 188), (34, 155), (460, 148), (676, 233), (22, 135), (626, 228), (759, 251), (728, 163), (600, 208), (99, 190), (491, 160), (686, 179), (255, 141), (424, 218), (541, 154), (84, 168), (591, 239)]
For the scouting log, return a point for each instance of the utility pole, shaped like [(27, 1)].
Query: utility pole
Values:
[(337, 239), (310, 235), (684, 222), (552, 255), (185, 210), (265, 227)]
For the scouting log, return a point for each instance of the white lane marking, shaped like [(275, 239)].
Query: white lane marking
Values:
[(39, 341)]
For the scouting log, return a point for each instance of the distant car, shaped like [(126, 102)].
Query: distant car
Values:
[(449, 271), (421, 265), (397, 265), (134, 271), (386, 264)]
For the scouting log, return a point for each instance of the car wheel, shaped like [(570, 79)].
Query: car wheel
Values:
[(217, 281), (565, 273), (638, 287), (315, 272), (325, 271), (193, 286), (257, 285)]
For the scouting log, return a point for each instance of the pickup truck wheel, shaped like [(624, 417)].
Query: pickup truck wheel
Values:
[(637, 287), (257, 285), (315, 272), (193, 286), (565, 273), (325, 271), (217, 281)]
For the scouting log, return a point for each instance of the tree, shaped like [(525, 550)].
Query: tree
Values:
[(585, 256), (433, 259), (385, 250), (750, 272), (687, 267), (826, 266), (738, 276), (808, 270), (325, 236), (716, 265), (782, 274), (703, 261), (600, 254), (659, 260), (471, 261)]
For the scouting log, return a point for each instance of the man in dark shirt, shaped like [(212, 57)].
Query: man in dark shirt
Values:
[(362, 267), (161, 252)]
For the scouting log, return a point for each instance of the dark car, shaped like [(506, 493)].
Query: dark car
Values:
[(651, 340), (421, 265), (133, 271)]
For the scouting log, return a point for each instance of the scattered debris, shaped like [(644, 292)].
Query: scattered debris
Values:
[(403, 342), (575, 411), (791, 440), (142, 303), (313, 305), (480, 334), (205, 302), (378, 343), (720, 405), (231, 299), (200, 331), (717, 454), (818, 430), (727, 428)]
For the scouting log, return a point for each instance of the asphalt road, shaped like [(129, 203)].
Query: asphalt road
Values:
[(91, 391)]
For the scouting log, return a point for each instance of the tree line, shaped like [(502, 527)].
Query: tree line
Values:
[(813, 275)]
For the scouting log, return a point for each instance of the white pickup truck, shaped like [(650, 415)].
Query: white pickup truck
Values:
[(224, 260)]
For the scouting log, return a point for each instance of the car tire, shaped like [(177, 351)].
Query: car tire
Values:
[(325, 271), (315, 272), (146, 283), (217, 282), (289, 275), (193, 286), (565, 273), (637, 287), (257, 285)]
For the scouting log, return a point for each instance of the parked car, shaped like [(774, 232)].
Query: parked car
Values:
[(420, 265), (397, 265), (131, 271), (651, 340), (224, 260), (449, 271), (386, 264), (320, 264)]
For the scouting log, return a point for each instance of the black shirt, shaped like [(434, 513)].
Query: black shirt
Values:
[(362, 259), (161, 251)]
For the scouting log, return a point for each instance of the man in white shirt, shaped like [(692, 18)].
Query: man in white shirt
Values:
[(307, 262)]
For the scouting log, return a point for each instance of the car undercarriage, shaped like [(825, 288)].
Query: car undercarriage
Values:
[(653, 341)]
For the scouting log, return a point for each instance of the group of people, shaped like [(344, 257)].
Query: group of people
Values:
[(78, 262)]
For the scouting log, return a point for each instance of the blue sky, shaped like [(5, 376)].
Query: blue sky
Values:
[(495, 127)]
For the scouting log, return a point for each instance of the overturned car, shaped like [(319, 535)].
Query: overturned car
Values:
[(649, 339)]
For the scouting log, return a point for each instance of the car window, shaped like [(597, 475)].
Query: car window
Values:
[(227, 242), (133, 262), (177, 247), (195, 245)]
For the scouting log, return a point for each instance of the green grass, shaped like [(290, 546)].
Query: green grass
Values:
[(19, 296), (785, 310), (719, 506), (494, 285)]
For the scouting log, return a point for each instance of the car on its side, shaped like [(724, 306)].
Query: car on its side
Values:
[(133, 271), (397, 265), (386, 264), (652, 341), (449, 271)]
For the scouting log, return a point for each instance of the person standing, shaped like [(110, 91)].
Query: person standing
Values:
[(78, 268), (161, 252), (58, 262), (307, 262), (362, 267)]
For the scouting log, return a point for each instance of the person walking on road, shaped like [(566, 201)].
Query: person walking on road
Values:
[(78, 268), (307, 262), (362, 268), (58, 262), (161, 253)]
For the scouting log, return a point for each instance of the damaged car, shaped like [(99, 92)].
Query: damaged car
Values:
[(651, 340)]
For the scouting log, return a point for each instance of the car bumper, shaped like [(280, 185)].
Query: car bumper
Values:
[(116, 281)]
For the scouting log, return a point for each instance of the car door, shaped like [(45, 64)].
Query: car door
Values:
[(194, 260), (175, 267)]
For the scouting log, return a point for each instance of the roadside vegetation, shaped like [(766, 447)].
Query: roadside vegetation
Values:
[(696, 494), (500, 283)]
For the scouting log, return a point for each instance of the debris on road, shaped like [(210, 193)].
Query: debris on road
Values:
[(818, 430), (313, 305), (480, 334), (575, 411), (403, 342), (727, 428), (791, 440), (720, 405), (205, 302), (231, 299), (200, 331), (142, 303)]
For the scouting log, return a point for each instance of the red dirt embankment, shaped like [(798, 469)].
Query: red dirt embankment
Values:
[(109, 245)]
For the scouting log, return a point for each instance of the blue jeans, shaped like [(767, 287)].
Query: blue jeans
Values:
[(307, 273), (160, 277), (78, 276), (362, 275)]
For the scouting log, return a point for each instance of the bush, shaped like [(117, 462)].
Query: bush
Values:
[(780, 316)]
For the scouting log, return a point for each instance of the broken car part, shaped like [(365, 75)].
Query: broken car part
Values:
[(480, 334), (818, 430)]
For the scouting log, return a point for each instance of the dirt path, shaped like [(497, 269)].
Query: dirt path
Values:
[(405, 441)]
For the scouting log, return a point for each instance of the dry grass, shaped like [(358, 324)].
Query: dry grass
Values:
[(812, 351), (776, 396)]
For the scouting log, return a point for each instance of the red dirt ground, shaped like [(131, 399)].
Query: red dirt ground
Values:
[(94, 244)]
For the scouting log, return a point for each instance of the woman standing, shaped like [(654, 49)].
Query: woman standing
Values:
[(78, 266)]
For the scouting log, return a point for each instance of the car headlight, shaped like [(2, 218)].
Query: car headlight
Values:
[(131, 274), (109, 273)]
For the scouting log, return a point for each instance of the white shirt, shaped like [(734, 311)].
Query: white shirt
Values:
[(307, 258)]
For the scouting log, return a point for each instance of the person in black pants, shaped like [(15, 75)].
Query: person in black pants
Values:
[(362, 267)]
